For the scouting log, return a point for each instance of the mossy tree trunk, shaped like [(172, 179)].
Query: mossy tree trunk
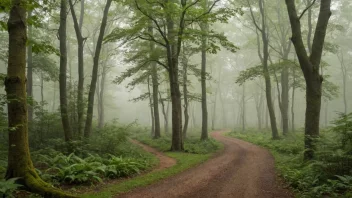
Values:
[(19, 161)]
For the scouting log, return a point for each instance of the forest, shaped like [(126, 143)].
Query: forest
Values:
[(175, 98)]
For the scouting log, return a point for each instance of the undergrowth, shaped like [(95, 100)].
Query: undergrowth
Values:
[(192, 143)]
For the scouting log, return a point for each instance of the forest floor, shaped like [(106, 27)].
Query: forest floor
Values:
[(241, 169), (164, 160)]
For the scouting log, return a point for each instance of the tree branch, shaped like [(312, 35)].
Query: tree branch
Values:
[(305, 10)]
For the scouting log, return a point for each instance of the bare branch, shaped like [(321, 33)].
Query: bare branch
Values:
[(305, 10)]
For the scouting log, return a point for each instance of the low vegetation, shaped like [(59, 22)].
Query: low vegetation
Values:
[(329, 174)]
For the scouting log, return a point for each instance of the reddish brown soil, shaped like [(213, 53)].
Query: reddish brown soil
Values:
[(164, 161), (240, 170)]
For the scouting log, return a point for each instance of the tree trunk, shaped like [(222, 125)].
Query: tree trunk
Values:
[(165, 112), (310, 66), (173, 49), (204, 136), (263, 30), (155, 83), (284, 99), (101, 97), (93, 84), (80, 90), (30, 70), (63, 67), (293, 100), (185, 95), (213, 117), (19, 161), (54, 97), (243, 114), (152, 132)]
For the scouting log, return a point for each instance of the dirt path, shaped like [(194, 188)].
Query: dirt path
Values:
[(164, 161), (240, 170)]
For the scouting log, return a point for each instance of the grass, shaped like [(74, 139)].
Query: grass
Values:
[(184, 162), (197, 153)]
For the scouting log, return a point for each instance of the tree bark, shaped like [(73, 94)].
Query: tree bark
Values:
[(19, 161), (165, 113), (275, 134), (155, 83), (80, 89), (152, 132), (185, 95), (30, 70), (63, 67), (243, 114), (310, 66), (173, 50), (293, 100), (264, 59), (93, 84), (101, 97), (204, 28)]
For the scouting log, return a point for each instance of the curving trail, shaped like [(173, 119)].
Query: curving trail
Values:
[(164, 161), (240, 170)]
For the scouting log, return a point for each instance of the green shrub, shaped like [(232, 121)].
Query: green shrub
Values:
[(8, 187)]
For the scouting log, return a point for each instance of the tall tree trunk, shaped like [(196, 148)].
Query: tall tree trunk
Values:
[(310, 66), (101, 97), (213, 117), (258, 105), (204, 28), (63, 68), (326, 113), (243, 114), (19, 161), (173, 49), (42, 88), (164, 112), (185, 95), (293, 100), (152, 132), (275, 134), (264, 59), (80, 89), (284, 99), (54, 97), (344, 79), (155, 83), (93, 84), (30, 69)]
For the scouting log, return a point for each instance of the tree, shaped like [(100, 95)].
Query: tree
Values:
[(30, 69), (19, 161), (171, 21), (80, 42), (204, 28), (310, 66), (264, 59), (93, 84), (155, 83), (63, 69)]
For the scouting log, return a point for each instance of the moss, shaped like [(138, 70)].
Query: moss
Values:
[(37, 185)]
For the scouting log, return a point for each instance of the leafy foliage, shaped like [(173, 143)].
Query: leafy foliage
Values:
[(8, 187)]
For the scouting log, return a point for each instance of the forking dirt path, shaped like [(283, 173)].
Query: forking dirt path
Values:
[(241, 170)]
